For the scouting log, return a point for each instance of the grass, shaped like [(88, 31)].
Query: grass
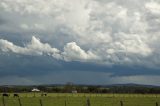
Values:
[(55, 99)]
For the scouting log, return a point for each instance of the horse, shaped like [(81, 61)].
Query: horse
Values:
[(15, 95), (5, 95)]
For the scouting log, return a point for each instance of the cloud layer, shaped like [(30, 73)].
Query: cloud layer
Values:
[(103, 32)]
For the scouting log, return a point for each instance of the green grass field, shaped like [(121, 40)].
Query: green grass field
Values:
[(53, 99)]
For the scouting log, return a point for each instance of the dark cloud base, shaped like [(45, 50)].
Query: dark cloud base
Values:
[(13, 64)]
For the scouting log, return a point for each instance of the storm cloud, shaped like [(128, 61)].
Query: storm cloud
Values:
[(109, 33)]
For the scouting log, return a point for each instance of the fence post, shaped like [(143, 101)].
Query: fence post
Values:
[(65, 103), (3, 101), (88, 102), (121, 102), (40, 101), (20, 104), (156, 103)]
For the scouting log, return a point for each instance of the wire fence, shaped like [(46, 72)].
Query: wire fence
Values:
[(98, 100)]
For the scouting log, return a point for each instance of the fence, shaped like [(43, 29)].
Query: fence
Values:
[(87, 102), (81, 101)]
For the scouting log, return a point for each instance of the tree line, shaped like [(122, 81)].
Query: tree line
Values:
[(68, 88)]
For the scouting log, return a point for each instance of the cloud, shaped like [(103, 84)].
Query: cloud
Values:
[(16, 80), (35, 47), (153, 7), (72, 52), (110, 32), (61, 77), (45, 15), (138, 79)]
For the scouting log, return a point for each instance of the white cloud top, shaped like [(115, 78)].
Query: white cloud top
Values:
[(35, 47), (72, 52)]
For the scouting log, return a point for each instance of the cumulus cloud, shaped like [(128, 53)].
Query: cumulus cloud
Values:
[(35, 47), (117, 52), (112, 32), (72, 52)]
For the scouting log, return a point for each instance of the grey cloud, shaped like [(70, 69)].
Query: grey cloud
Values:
[(76, 77), (16, 80), (138, 79)]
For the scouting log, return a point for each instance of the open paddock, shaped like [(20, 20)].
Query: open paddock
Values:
[(80, 99)]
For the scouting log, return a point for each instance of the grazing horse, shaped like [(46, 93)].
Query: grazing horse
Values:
[(15, 95), (43, 94), (5, 95)]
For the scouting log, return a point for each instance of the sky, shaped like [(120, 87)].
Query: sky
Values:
[(97, 42)]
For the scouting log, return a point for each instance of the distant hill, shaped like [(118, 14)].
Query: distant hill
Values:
[(130, 85)]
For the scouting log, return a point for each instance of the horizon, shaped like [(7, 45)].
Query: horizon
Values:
[(109, 85), (97, 42)]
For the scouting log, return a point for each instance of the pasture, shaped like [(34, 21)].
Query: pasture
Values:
[(68, 99)]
